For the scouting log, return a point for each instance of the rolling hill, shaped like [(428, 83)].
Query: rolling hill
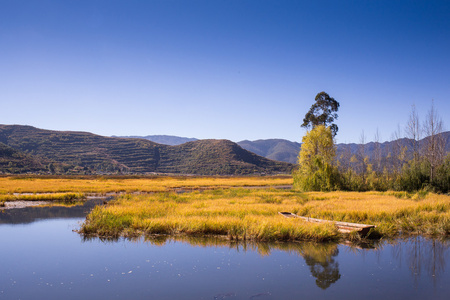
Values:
[(16, 161), (287, 151), (87, 153), (275, 149)]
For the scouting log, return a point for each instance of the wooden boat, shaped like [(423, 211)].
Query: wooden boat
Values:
[(343, 227)]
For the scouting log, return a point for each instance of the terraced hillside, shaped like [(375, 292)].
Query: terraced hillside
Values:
[(82, 152), (15, 161)]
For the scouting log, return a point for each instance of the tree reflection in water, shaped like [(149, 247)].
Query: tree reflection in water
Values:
[(423, 254), (320, 259)]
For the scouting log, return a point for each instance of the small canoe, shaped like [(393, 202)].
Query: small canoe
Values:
[(344, 227)]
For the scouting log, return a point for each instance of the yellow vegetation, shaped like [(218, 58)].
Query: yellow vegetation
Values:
[(253, 214), (42, 197), (9, 185), (227, 206)]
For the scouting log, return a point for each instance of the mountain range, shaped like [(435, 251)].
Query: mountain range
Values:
[(28, 149), (274, 149), (287, 151)]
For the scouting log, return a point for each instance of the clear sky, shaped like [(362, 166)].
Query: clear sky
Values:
[(224, 69)]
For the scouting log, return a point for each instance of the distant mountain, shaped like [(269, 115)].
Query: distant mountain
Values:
[(87, 153), (275, 149), (389, 147), (26, 149), (284, 150), (163, 139)]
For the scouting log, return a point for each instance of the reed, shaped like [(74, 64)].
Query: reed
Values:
[(252, 214)]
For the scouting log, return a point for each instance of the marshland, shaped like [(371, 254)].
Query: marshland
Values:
[(154, 233), (240, 208)]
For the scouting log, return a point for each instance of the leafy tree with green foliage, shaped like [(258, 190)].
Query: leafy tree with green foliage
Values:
[(322, 112), (317, 171)]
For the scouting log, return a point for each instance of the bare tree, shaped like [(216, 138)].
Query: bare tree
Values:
[(412, 132), (397, 151), (377, 152), (434, 142), (345, 158), (362, 155)]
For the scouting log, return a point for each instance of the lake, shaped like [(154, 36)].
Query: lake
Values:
[(42, 258)]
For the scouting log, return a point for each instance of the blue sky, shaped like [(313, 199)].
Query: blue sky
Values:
[(225, 69)]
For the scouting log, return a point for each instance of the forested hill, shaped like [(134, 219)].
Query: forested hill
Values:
[(29, 149)]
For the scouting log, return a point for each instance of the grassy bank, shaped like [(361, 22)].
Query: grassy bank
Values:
[(252, 214), (66, 197), (10, 185)]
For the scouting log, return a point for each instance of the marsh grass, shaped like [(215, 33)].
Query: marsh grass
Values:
[(238, 214), (101, 185), (63, 197), (252, 214), (392, 215)]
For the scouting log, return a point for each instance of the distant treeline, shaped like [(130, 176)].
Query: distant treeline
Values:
[(411, 164), (405, 164), (400, 170)]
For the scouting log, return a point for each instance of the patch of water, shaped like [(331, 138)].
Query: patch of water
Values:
[(42, 258)]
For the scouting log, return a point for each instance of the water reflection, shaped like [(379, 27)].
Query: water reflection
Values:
[(422, 255), (31, 214), (164, 267), (322, 264), (320, 258)]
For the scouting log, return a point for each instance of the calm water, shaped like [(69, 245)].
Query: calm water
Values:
[(41, 258)]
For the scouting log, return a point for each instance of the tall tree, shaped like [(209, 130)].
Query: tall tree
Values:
[(317, 171), (322, 112)]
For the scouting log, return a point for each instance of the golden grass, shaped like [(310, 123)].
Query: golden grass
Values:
[(42, 197), (252, 214), (429, 215), (9, 185), (225, 206), (249, 214)]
